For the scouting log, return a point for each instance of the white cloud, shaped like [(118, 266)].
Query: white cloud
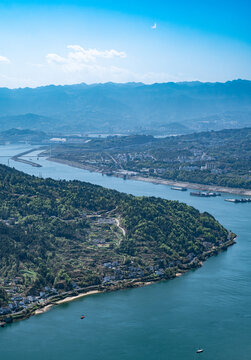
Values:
[(93, 65), (78, 58), (77, 69), (93, 54), (154, 26), (54, 58), (4, 59)]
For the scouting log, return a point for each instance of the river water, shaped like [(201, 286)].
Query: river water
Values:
[(208, 308)]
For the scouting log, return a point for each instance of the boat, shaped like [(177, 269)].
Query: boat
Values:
[(214, 194), (82, 317), (198, 193), (180, 188), (199, 351), (237, 201), (204, 193)]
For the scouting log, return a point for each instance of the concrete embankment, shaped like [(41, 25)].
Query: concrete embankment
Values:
[(24, 161)]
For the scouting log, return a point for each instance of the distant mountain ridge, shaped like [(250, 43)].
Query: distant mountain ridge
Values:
[(127, 107), (24, 135), (27, 121)]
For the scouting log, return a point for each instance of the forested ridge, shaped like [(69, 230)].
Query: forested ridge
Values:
[(64, 233)]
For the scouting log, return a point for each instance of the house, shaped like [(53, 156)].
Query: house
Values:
[(108, 265), (159, 272)]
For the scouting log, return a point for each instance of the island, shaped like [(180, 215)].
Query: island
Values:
[(63, 239)]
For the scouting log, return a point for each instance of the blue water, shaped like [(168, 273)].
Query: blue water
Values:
[(207, 308)]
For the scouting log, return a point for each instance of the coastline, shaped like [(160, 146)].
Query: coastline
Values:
[(71, 298), (44, 305), (72, 295), (202, 187), (65, 300), (43, 309)]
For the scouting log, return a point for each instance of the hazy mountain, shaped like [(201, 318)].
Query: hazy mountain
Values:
[(17, 135), (132, 106), (225, 120), (28, 121)]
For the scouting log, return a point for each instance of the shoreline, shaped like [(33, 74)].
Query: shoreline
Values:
[(64, 301), (72, 295), (72, 298), (195, 186), (45, 305)]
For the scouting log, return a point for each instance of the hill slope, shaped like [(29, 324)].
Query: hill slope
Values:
[(59, 233)]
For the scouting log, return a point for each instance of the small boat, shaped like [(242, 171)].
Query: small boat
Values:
[(82, 317), (199, 351)]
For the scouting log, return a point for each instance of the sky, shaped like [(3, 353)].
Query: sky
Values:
[(94, 41)]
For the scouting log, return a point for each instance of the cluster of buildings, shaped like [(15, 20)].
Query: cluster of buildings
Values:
[(115, 271), (188, 162), (18, 301)]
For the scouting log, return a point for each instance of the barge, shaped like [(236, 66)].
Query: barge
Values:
[(204, 194), (179, 188), (237, 201)]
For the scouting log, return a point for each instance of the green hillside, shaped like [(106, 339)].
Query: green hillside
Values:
[(59, 234)]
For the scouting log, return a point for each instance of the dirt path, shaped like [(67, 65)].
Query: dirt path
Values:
[(120, 227)]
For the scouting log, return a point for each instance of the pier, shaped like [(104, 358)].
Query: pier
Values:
[(24, 161)]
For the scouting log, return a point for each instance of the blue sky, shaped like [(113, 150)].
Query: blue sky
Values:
[(66, 42)]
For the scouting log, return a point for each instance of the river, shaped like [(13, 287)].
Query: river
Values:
[(208, 308)]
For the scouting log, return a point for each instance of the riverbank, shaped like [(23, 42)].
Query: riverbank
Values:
[(65, 300), (71, 298), (59, 299), (202, 187), (184, 314), (154, 180)]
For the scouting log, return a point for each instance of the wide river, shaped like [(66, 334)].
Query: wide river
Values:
[(208, 308)]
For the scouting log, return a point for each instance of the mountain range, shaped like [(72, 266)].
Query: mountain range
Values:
[(132, 107)]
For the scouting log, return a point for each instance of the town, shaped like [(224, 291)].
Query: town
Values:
[(220, 158)]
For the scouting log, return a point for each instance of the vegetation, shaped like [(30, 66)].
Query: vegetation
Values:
[(3, 297), (60, 233)]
